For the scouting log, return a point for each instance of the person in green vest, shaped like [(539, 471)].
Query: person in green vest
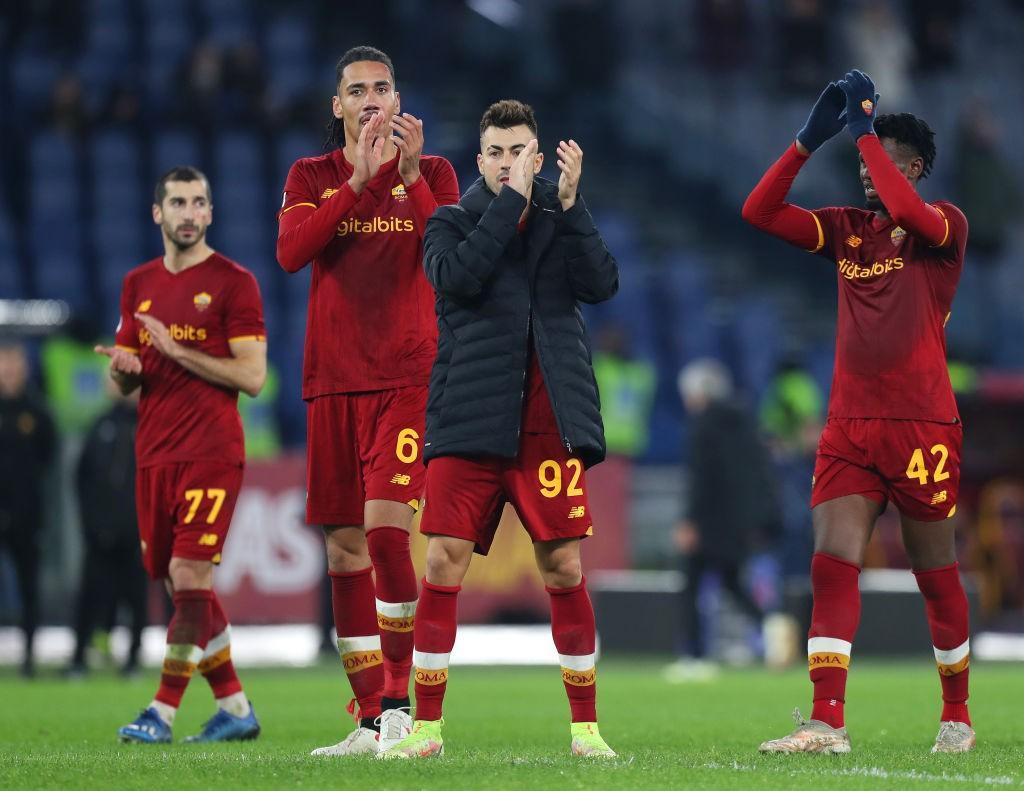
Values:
[(627, 387), (259, 419), (75, 377)]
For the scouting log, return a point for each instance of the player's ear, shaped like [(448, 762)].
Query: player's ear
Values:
[(480, 163), (538, 163), (915, 168), (336, 106), (158, 214), (398, 104)]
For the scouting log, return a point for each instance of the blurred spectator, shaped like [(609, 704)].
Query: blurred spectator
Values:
[(27, 449), (201, 86), (988, 191), (245, 84), (112, 572), (934, 30), (792, 415), (731, 497), (803, 45), (259, 419), (74, 376), (627, 392), (68, 113), (879, 46), (723, 34), (124, 107)]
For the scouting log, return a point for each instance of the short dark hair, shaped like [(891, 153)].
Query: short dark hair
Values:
[(180, 173), (910, 131), (508, 113), (335, 126)]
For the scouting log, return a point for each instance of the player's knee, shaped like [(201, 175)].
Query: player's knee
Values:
[(446, 563), (563, 572), (346, 549), (188, 574)]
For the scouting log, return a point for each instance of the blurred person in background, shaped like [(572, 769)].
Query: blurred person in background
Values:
[(28, 445), (358, 213), (626, 385), (112, 572), (893, 430), (191, 335), (731, 505)]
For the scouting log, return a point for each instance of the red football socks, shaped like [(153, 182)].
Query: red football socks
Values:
[(834, 622), (358, 639), (187, 635), (396, 604), (436, 624), (572, 626), (216, 665), (946, 605)]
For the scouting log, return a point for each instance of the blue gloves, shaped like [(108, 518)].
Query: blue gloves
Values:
[(826, 118), (861, 103)]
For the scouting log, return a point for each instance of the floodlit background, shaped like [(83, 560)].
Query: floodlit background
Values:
[(679, 106)]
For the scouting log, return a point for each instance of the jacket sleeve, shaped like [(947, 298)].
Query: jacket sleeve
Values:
[(459, 266), (593, 272)]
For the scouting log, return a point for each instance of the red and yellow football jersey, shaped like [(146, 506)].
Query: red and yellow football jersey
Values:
[(182, 417), (895, 295), (371, 323)]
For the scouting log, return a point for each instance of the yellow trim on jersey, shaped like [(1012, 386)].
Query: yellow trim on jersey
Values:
[(248, 338), (414, 504), (945, 236), (296, 205), (821, 232), (129, 349)]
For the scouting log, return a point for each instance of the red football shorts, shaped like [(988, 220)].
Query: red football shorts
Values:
[(363, 446), (914, 463), (547, 487), (184, 511)]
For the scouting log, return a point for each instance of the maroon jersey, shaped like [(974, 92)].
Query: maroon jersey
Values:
[(182, 417), (538, 416), (371, 323), (895, 294)]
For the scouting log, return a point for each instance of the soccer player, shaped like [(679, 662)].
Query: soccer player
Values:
[(191, 336), (513, 411), (358, 212), (893, 431)]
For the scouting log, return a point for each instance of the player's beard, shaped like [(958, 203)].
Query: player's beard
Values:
[(185, 244), (874, 204)]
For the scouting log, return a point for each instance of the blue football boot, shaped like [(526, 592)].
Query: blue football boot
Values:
[(224, 727), (147, 728)]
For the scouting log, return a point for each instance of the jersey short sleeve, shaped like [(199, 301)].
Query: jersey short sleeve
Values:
[(127, 334), (298, 189), (955, 242), (244, 319), (829, 221)]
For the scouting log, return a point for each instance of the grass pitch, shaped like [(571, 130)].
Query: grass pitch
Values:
[(508, 729)]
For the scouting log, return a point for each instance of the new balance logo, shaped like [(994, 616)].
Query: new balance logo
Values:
[(577, 512), (941, 497), (853, 241), (208, 540), (401, 480), (327, 193)]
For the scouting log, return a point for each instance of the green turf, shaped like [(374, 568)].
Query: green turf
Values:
[(507, 728)]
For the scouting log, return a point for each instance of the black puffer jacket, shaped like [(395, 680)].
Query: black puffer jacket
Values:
[(493, 284)]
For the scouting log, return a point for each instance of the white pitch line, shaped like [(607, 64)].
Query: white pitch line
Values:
[(876, 772)]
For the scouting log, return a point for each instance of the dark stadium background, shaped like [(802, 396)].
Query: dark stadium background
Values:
[(679, 107)]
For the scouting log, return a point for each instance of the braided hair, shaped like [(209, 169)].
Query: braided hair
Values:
[(909, 131), (336, 126)]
